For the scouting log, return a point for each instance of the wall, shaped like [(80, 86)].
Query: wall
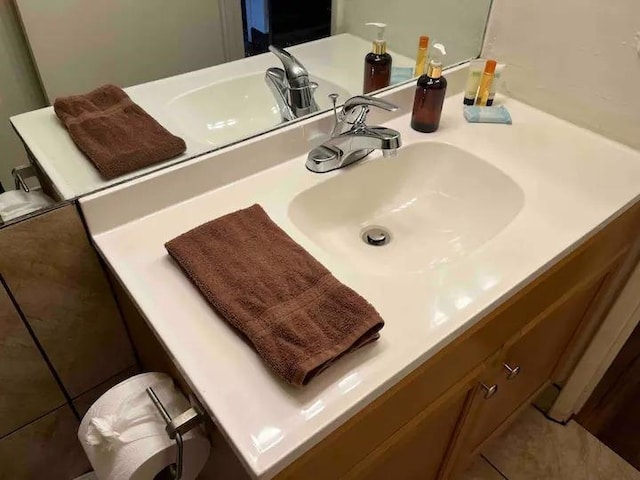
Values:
[(459, 24), (78, 44), (19, 89), (577, 59)]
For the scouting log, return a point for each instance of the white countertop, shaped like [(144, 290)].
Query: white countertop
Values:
[(573, 180), (338, 58)]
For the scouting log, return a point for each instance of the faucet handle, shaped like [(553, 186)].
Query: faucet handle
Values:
[(355, 109), (365, 100), (334, 99)]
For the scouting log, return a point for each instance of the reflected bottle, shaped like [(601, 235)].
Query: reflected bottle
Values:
[(377, 63), (429, 99)]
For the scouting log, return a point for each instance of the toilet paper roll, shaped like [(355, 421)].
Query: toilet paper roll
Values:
[(124, 436), (15, 203)]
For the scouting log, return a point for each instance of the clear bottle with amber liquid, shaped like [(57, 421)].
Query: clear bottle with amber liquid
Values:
[(429, 99)]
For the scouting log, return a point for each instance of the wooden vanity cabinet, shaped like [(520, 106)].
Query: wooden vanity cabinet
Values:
[(503, 385), (524, 367), (416, 450), (432, 423)]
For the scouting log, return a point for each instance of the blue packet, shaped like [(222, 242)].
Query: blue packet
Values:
[(400, 74), (497, 114)]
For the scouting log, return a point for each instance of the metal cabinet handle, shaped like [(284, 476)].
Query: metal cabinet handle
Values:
[(489, 391), (513, 372)]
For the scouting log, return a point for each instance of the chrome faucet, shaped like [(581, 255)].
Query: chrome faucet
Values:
[(291, 87), (352, 139)]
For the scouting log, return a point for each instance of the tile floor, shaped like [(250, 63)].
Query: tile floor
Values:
[(535, 448)]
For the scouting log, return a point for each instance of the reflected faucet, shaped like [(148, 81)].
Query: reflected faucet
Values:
[(352, 139), (291, 86)]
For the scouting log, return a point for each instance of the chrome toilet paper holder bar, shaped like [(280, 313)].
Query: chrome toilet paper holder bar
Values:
[(176, 427)]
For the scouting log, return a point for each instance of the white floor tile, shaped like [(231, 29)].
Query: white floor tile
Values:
[(480, 469), (535, 448)]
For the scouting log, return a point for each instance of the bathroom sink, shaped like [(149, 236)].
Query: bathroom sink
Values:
[(431, 205), (236, 109)]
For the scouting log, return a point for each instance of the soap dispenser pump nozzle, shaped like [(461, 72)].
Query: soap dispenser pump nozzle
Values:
[(379, 44), (435, 64)]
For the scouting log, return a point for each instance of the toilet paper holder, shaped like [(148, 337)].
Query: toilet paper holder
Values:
[(176, 427)]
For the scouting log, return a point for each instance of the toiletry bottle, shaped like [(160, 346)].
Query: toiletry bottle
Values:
[(421, 58), (377, 63), (494, 85), (485, 83), (473, 81), (430, 92)]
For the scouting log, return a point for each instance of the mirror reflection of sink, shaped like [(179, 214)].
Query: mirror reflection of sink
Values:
[(237, 108), (435, 201)]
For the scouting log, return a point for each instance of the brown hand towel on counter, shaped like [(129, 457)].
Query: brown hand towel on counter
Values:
[(296, 314), (116, 134)]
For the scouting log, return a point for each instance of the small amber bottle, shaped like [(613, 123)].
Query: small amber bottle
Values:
[(484, 90), (429, 99)]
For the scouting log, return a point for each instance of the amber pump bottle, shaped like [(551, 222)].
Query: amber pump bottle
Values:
[(377, 63), (429, 99)]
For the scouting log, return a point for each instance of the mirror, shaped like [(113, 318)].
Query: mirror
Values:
[(204, 69)]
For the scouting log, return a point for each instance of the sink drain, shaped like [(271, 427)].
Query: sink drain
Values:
[(376, 236)]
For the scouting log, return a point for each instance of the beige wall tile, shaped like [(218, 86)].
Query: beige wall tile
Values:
[(27, 387), (54, 274), (45, 449)]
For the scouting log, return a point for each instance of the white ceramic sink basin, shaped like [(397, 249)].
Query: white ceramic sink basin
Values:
[(236, 109), (437, 202)]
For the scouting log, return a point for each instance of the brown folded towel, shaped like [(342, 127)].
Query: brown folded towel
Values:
[(297, 315), (116, 134)]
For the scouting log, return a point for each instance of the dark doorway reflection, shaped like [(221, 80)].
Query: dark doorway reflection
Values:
[(283, 23)]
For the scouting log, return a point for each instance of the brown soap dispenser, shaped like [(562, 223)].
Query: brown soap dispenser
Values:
[(377, 63), (430, 92)]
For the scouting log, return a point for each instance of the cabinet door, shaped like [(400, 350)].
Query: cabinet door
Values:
[(416, 450), (527, 365)]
